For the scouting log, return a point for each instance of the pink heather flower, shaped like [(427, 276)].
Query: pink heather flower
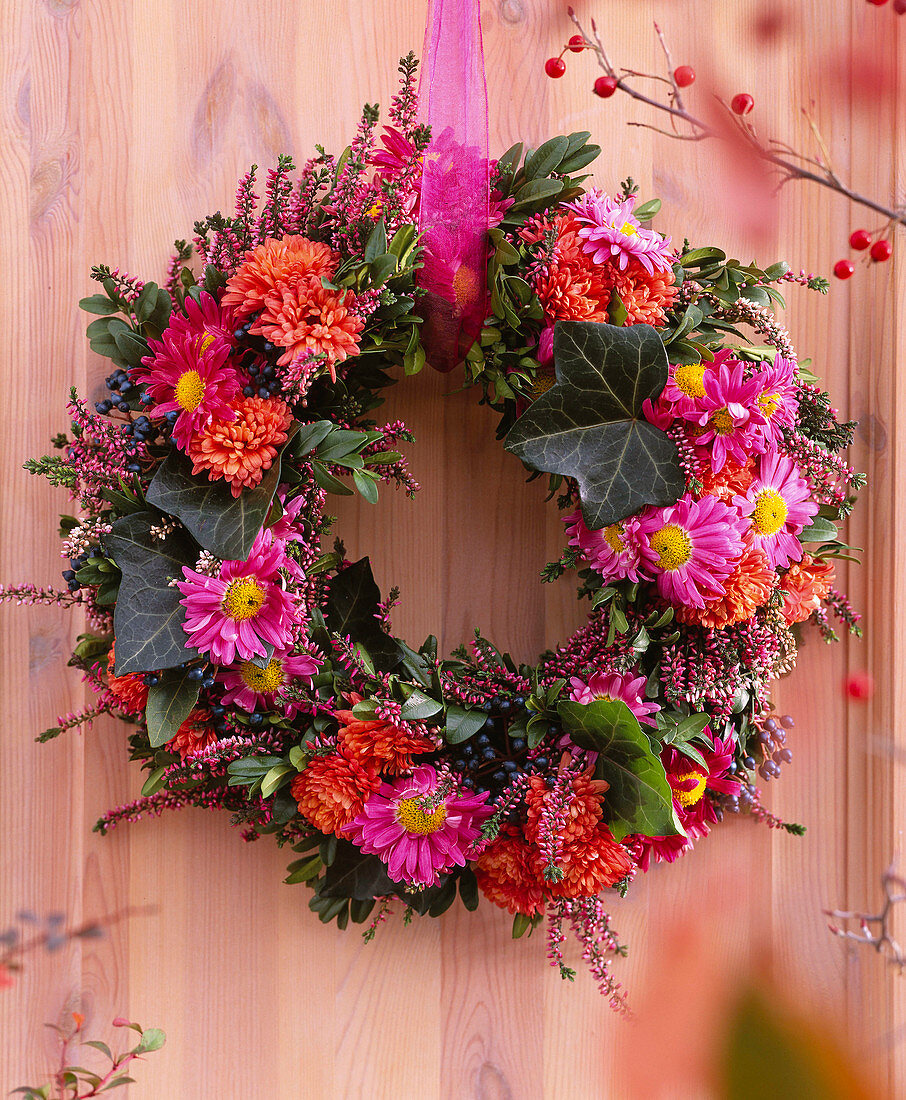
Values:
[(779, 398), (613, 551), (731, 418), (234, 614), (690, 547), (779, 504), (188, 374), (420, 826), (613, 686), (253, 688), (610, 230)]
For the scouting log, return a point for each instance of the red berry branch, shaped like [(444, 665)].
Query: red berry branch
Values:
[(790, 164), (875, 930)]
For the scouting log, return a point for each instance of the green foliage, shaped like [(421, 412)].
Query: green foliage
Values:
[(352, 608), (590, 425), (170, 701)]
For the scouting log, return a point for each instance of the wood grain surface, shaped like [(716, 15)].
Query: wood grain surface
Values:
[(121, 122)]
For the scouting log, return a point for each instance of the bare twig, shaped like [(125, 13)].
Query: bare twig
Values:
[(875, 930), (785, 161)]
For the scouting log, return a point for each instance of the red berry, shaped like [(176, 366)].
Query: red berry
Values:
[(605, 86), (860, 685), (877, 3), (899, 6), (741, 104), (555, 66), (860, 239), (843, 269), (684, 76), (881, 250), (577, 43)]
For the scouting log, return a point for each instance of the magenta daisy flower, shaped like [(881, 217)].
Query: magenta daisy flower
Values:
[(779, 504), (188, 374), (610, 230), (779, 397), (252, 687), (685, 388), (613, 551), (420, 826), (731, 418), (205, 316), (690, 547), (234, 614), (613, 686)]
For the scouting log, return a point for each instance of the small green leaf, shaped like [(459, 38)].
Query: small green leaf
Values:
[(366, 485), (99, 304), (154, 782), (546, 158), (419, 706), (298, 757), (461, 724), (152, 1039), (377, 243), (819, 530), (275, 778), (647, 210), (170, 702)]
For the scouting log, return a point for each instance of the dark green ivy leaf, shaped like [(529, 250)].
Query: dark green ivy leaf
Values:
[(352, 608), (590, 424), (148, 620), (352, 875), (221, 523), (170, 701), (639, 799)]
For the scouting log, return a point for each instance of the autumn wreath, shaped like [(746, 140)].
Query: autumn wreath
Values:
[(697, 470)]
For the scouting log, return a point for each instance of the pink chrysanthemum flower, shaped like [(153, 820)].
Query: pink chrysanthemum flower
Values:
[(613, 686), (690, 547), (779, 504), (731, 418), (252, 687), (420, 826), (234, 614), (188, 374), (685, 387), (205, 316), (613, 551), (610, 230), (779, 398)]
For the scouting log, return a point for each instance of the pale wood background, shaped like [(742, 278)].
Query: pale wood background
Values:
[(121, 121)]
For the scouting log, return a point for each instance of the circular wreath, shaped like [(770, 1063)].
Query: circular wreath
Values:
[(699, 476)]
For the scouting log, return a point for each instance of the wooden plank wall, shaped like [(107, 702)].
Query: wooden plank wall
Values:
[(121, 121)]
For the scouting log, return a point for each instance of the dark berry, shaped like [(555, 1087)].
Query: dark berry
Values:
[(605, 86), (555, 67), (150, 679), (541, 762), (517, 744), (263, 391), (248, 391), (519, 701), (499, 776), (196, 674), (489, 753), (510, 766)]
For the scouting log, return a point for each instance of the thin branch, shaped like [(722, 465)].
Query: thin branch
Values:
[(875, 929)]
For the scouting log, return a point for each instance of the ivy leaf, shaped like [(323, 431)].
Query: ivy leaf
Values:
[(639, 799), (221, 523), (352, 608), (148, 620), (170, 702), (590, 424), (352, 875)]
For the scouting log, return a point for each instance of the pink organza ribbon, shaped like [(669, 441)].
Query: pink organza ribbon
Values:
[(453, 211)]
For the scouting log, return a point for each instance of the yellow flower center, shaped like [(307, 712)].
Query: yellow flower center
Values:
[(206, 342), (189, 390), (628, 230), (243, 599), (687, 798), (672, 546), (265, 679), (614, 538), (690, 378), (721, 422), (768, 403), (770, 512), (542, 384), (411, 814), (465, 286)]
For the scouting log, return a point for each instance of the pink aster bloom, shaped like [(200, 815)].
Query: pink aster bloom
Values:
[(613, 686), (252, 687), (613, 551), (690, 547), (779, 504), (685, 388), (731, 418), (188, 374), (779, 397), (610, 230), (234, 614), (420, 826), (205, 316)]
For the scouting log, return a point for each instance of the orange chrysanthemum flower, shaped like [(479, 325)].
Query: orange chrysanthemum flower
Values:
[(379, 745), (130, 690), (332, 790), (507, 876), (645, 295), (273, 263), (241, 450), (585, 809), (591, 863), (746, 589), (732, 479), (571, 293), (304, 317), (805, 585), (195, 734)]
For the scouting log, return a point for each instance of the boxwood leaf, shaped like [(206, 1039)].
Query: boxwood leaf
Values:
[(170, 702), (221, 523), (639, 799), (148, 620), (590, 425), (463, 724), (419, 706), (819, 530), (546, 158)]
